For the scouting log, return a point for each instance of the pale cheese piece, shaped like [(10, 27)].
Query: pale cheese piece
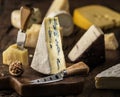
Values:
[(12, 54), (111, 42), (85, 42), (65, 20), (109, 78), (58, 5), (101, 16), (48, 57), (35, 18), (32, 35)]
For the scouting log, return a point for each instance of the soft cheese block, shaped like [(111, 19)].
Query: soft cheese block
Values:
[(109, 78), (35, 18), (111, 42), (12, 54), (101, 16), (58, 5), (32, 35), (49, 57), (90, 47)]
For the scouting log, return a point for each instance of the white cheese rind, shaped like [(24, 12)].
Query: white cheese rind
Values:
[(92, 34), (40, 61)]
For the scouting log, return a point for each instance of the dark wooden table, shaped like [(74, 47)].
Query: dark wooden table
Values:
[(8, 36)]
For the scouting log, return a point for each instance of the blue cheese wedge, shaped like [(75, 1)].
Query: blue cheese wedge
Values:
[(109, 78), (49, 56)]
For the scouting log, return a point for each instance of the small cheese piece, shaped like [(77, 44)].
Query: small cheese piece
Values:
[(49, 56), (58, 5), (109, 78), (35, 18), (111, 42), (12, 54), (89, 47), (32, 35), (65, 20), (101, 16)]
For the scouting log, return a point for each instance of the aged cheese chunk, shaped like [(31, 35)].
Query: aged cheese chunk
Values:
[(32, 35), (89, 47), (58, 5), (35, 18), (65, 20), (111, 42), (109, 78), (49, 57), (12, 54), (101, 16)]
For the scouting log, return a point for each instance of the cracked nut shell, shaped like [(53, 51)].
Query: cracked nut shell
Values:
[(16, 68)]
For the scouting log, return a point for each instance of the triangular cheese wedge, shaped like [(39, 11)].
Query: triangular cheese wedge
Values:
[(49, 57), (90, 47), (109, 78), (58, 5)]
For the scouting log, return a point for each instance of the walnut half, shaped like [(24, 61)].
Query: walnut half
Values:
[(16, 68)]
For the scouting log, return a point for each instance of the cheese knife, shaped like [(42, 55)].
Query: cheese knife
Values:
[(78, 68), (21, 36)]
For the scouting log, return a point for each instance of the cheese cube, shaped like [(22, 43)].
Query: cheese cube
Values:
[(111, 42), (12, 54), (32, 35), (98, 15)]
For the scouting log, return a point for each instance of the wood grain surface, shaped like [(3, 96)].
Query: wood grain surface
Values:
[(8, 36)]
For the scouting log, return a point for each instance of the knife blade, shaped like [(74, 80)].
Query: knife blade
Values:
[(78, 68), (21, 36)]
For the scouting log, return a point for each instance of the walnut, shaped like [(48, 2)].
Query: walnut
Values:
[(16, 68)]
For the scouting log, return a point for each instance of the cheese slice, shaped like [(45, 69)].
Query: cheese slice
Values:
[(32, 35), (109, 78), (90, 47), (49, 57), (58, 5), (101, 16), (111, 42), (35, 18), (12, 54)]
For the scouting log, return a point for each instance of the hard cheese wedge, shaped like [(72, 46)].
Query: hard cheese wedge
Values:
[(49, 57), (90, 47), (111, 42), (13, 54), (109, 78), (101, 16), (32, 35)]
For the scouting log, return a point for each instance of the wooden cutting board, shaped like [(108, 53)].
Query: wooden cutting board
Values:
[(70, 85)]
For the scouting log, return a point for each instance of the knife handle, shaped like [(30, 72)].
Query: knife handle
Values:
[(78, 68), (25, 15)]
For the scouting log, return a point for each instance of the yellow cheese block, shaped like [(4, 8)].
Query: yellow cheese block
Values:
[(13, 54), (98, 15), (32, 35)]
